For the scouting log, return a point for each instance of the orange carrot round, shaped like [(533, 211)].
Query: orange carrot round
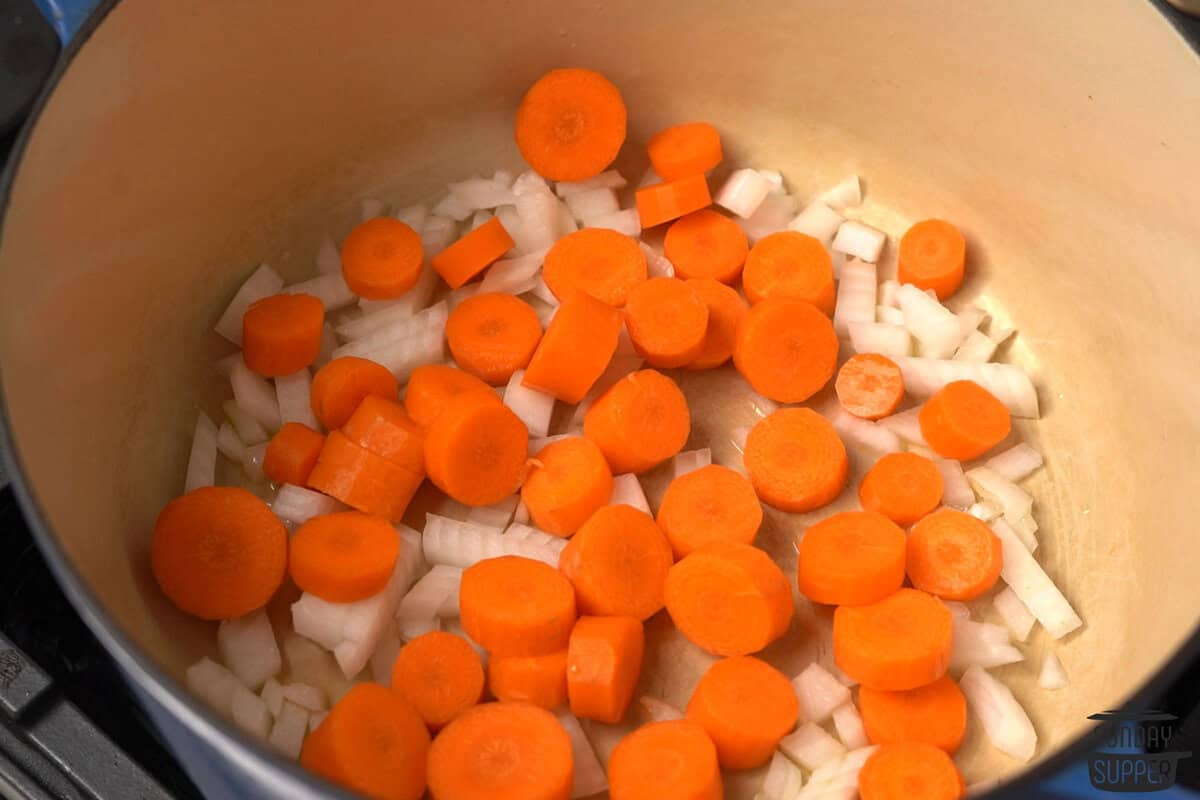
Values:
[(667, 322), (690, 148), (541, 680), (475, 451), (570, 124), (618, 563), (472, 253), (906, 770), (672, 759), (363, 480), (339, 387), (372, 742), (869, 385), (568, 481), (604, 661), (729, 599), (640, 422), (281, 334), (963, 420), (795, 460), (953, 555), (899, 643), (932, 256), (786, 349), (713, 504), (745, 706), (852, 558), (672, 199), (381, 258), (603, 263), (726, 308), (902, 486), (576, 348), (440, 675), (292, 453), (218, 552), (343, 557), (706, 244), (790, 264), (383, 427), (935, 714), (432, 387), (493, 335), (516, 606)]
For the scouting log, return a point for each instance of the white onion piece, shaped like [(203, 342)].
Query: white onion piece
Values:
[(592, 203), (860, 240), (1030, 582), (1014, 613), (1010, 384), (414, 217), (529, 182), (371, 208), (819, 693), (690, 461), (1052, 676), (392, 322), (230, 444), (838, 778), (1026, 530), (625, 221), (657, 265), (879, 337), (970, 318), (504, 177), (957, 610), (889, 294), (537, 211), (810, 746), (846, 194), (566, 222), (513, 275), (605, 180), (772, 216), (529, 542), (458, 544), (1004, 721), (855, 296), (849, 726), (889, 315), (906, 425), (498, 515), (933, 325), (248, 648), (863, 432), (308, 697), (263, 282), (213, 684), (384, 657), (250, 713), (589, 776), (255, 394), (482, 193), (429, 595), (537, 445), (956, 488), (298, 505), (985, 511), (1015, 501), (982, 644), (479, 219), (783, 780), (542, 292), (329, 260), (454, 207), (976, 348), (287, 737), (294, 395), (818, 221), (248, 429), (410, 629), (202, 461), (436, 234), (272, 696), (1001, 335), (655, 710), (331, 290), (627, 490), (743, 192), (533, 407), (405, 345), (252, 462), (1016, 463), (775, 178)]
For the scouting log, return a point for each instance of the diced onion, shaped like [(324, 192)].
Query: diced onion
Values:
[(657, 265), (414, 217), (985, 511), (783, 780), (849, 726), (294, 395), (566, 222), (976, 348), (458, 544), (528, 542), (330, 289), (230, 444), (384, 657), (213, 684), (1004, 721), (906, 425), (690, 461), (855, 296), (479, 219), (970, 318), (537, 211), (533, 407), (455, 298), (627, 490), (437, 233), (498, 515), (482, 193), (1001, 335), (410, 629), (253, 393), (605, 180), (250, 713), (863, 432), (743, 192), (810, 746), (429, 595), (513, 275), (838, 778), (879, 337), (956, 489), (248, 648), (592, 203), (1014, 613), (291, 727), (1016, 463), (1015, 501), (818, 221), (387, 324), (298, 505), (772, 216), (1010, 384), (1052, 676), (1030, 582), (589, 774), (656, 710), (889, 294), (846, 194), (889, 315), (957, 610), (304, 695), (933, 325), (263, 282), (202, 462), (625, 221), (982, 644), (272, 696), (405, 345), (329, 260), (1026, 530), (454, 207), (860, 240), (252, 462), (775, 178), (819, 693)]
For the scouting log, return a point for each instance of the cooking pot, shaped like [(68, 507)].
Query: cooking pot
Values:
[(183, 143)]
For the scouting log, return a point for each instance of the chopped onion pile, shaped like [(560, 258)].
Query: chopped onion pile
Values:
[(810, 746), (743, 192), (1010, 384), (1014, 613), (533, 407), (837, 779), (784, 780), (818, 221), (292, 393), (849, 726), (1016, 463), (248, 648), (981, 644), (855, 296), (859, 240), (1033, 586), (1004, 721)]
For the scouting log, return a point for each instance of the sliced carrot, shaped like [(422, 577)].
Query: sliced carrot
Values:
[(690, 148), (786, 349), (663, 202), (795, 460), (576, 348), (869, 385), (899, 643), (604, 263), (902, 486), (932, 256), (218, 552), (713, 504), (568, 481), (963, 420), (516, 606), (640, 422), (343, 557), (604, 661), (440, 675), (745, 706), (570, 124), (339, 387), (292, 453), (281, 334), (852, 558), (383, 427), (953, 555), (667, 321), (618, 563), (541, 680), (475, 451), (363, 480), (935, 714), (372, 742), (726, 308), (705, 244), (729, 599), (432, 387), (790, 264), (492, 335), (661, 760), (472, 253), (381, 258), (502, 751), (907, 770)]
